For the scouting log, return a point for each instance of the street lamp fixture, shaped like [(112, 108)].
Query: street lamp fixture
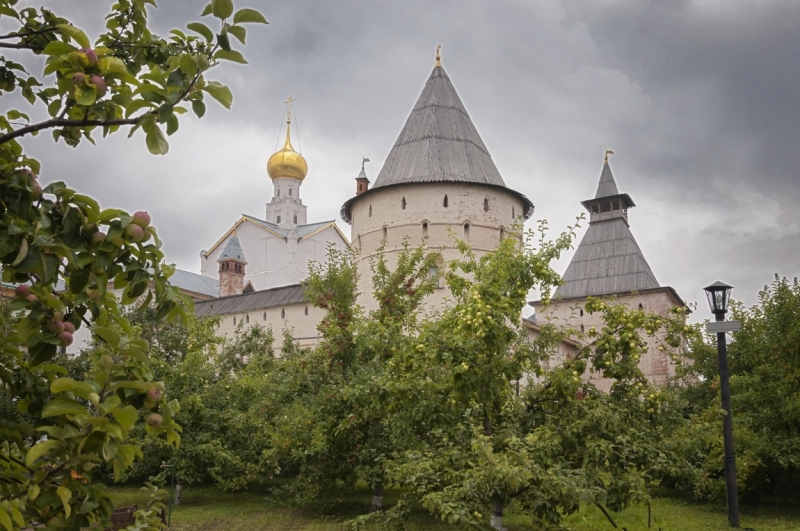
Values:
[(719, 296)]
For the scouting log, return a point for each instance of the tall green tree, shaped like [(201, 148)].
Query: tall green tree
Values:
[(64, 250)]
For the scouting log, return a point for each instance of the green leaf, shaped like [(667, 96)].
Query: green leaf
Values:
[(188, 64), (23, 251), (61, 385), (220, 92), (17, 516), (58, 48), (41, 352), (62, 406), (65, 494), (222, 8), (246, 15), (85, 94), (202, 29), (199, 108), (108, 335), (156, 141), (172, 124), (39, 450), (126, 416), (68, 30), (5, 519), (206, 10), (239, 32), (135, 353), (232, 55)]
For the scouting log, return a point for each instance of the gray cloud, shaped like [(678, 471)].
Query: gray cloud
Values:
[(697, 98)]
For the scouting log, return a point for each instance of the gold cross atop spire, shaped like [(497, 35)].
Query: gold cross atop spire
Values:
[(608, 152), (288, 103), (438, 55)]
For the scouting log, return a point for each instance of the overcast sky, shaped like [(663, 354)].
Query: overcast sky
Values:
[(698, 99)]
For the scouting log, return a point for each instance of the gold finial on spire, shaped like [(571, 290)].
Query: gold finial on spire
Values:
[(608, 152), (288, 103), (438, 55)]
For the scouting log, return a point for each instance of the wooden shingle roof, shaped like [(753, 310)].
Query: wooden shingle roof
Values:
[(608, 259)]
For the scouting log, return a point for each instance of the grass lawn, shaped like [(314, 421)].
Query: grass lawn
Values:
[(210, 509)]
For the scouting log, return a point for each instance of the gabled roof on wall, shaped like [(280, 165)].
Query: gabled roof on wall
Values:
[(256, 300), (195, 283), (303, 231)]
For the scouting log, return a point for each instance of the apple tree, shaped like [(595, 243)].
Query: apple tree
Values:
[(64, 252)]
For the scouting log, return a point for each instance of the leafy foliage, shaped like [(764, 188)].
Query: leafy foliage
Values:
[(764, 364), (64, 252)]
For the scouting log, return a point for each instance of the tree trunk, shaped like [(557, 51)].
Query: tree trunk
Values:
[(377, 497), (497, 515)]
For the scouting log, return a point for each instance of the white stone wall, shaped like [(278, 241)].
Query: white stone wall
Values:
[(655, 364), (292, 316), (381, 215)]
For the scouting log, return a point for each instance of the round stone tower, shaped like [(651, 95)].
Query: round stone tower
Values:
[(439, 182)]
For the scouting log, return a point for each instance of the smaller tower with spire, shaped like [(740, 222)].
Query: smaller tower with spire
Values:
[(287, 169), (362, 183), (231, 268)]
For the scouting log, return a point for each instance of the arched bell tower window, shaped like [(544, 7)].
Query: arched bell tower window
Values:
[(445, 202), (486, 204), (403, 203)]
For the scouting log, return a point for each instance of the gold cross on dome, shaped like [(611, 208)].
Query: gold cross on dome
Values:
[(438, 56), (288, 103)]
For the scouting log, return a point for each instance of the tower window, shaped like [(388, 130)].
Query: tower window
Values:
[(385, 232), (466, 232), (283, 313), (290, 192), (486, 204), (424, 229), (279, 219), (513, 213), (502, 233), (581, 313), (581, 329), (445, 203), (295, 219), (306, 310), (278, 193), (616, 205), (370, 211), (640, 306), (247, 318), (594, 209), (403, 204)]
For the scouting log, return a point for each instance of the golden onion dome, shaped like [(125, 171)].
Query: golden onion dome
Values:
[(287, 162)]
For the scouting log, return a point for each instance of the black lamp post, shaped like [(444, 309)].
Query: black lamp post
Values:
[(719, 295)]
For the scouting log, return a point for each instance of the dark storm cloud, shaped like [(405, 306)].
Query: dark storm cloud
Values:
[(698, 99)]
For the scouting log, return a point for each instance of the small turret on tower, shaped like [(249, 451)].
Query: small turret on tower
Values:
[(362, 183), (231, 268)]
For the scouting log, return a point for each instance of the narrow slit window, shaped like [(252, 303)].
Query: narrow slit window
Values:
[(306, 310), (247, 318), (265, 316), (234, 320), (513, 213), (279, 219), (424, 229), (502, 233), (445, 202), (290, 191), (283, 313), (403, 203), (466, 232), (581, 313), (385, 232), (581, 329), (295, 219), (486, 204), (640, 306), (370, 211)]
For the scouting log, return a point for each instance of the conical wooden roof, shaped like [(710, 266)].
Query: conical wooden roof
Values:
[(608, 259), (439, 142)]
